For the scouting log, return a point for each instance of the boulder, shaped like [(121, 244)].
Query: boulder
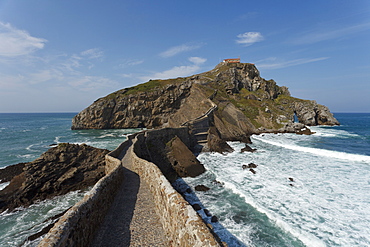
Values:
[(214, 219), (196, 207), (304, 131), (248, 149), (250, 165), (206, 211)]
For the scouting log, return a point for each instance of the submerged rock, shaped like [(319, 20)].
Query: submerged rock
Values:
[(201, 188), (248, 149), (250, 165)]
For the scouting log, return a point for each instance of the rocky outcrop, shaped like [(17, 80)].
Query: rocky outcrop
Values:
[(61, 169), (215, 143), (7, 173), (310, 113), (183, 160), (245, 104), (145, 109)]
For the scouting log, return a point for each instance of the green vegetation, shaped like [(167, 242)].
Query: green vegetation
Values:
[(149, 86)]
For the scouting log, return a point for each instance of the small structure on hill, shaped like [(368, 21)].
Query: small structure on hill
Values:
[(232, 60)]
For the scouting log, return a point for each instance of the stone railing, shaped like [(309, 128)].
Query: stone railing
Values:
[(78, 225), (210, 111), (182, 224)]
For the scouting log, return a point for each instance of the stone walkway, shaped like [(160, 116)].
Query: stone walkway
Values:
[(131, 220)]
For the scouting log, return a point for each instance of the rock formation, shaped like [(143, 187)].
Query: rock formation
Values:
[(240, 100), (7, 173), (183, 160), (61, 169)]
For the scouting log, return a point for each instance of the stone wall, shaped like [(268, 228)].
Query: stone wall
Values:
[(78, 225), (183, 225)]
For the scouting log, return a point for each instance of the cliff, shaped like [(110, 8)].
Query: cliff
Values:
[(243, 103)]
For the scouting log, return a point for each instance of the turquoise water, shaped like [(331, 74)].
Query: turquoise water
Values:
[(328, 204)]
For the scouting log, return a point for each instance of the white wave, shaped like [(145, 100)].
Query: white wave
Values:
[(306, 238), (106, 135), (332, 132), (25, 156), (23, 222), (3, 185), (319, 152), (29, 148), (57, 138)]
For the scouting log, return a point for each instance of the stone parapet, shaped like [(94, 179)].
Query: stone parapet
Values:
[(183, 226)]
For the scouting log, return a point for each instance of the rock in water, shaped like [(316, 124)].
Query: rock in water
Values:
[(248, 149), (201, 188), (59, 170)]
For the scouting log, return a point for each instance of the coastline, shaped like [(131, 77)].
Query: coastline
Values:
[(327, 134)]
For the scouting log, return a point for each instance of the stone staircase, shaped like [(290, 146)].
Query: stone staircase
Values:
[(199, 128)]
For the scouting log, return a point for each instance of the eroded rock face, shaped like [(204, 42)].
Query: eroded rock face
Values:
[(183, 160), (141, 110), (7, 173), (310, 113), (61, 169)]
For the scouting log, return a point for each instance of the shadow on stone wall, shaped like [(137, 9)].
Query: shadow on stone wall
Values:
[(118, 231)]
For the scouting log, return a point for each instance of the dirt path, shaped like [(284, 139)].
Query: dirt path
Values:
[(131, 220)]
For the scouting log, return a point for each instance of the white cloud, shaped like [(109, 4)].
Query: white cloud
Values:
[(318, 36), (15, 42), (179, 49), (197, 60), (92, 53), (285, 64), (179, 71), (249, 38), (45, 75), (90, 83), (130, 62)]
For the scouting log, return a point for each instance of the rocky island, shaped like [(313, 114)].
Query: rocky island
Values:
[(187, 115), (243, 103)]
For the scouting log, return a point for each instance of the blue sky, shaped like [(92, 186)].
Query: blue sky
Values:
[(60, 56)]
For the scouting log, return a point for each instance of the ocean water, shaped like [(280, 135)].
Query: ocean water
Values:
[(326, 204), (23, 138)]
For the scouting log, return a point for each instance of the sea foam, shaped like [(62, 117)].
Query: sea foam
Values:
[(319, 152)]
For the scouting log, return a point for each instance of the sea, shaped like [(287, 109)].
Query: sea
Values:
[(305, 190)]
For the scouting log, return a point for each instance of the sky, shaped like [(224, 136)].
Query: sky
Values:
[(61, 55)]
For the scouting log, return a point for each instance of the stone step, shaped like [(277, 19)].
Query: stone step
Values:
[(200, 133), (200, 130)]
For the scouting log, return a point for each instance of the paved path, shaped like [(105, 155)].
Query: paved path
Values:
[(131, 220)]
